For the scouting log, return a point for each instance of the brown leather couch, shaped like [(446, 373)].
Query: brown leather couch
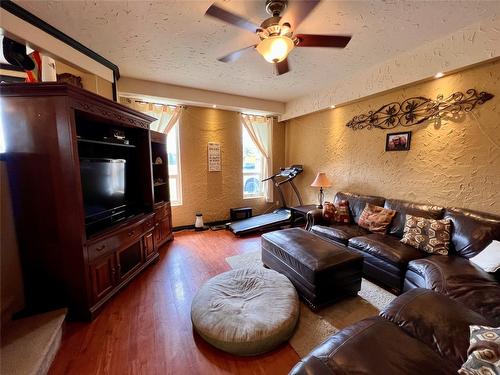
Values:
[(400, 267), (420, 332)]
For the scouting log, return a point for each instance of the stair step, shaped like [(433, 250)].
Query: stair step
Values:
[(30, 345)]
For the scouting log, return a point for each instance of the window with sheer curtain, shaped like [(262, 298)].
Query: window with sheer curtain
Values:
[(253, 167), (167, 122), (256, 141)]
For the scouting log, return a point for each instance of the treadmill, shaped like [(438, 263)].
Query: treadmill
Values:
[(281, 216)]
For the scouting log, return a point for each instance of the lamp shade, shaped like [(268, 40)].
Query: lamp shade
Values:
[(321, 180), (275, 48)]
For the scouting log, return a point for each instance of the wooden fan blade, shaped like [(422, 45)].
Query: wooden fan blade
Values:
[(233, 19), (310, 40), (297, 11), (233, 56), (282, 67)]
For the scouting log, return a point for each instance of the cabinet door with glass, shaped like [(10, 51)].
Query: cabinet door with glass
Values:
[(129, 259)]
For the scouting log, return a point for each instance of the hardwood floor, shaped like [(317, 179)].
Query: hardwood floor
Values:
[(146, 329)]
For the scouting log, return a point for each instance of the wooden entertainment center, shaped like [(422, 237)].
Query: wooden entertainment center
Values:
[(89, 216), (163, 213)]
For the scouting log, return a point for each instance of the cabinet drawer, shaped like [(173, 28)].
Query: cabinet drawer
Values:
[(162, 211), (100, 248), (115, 241), (148, 224)]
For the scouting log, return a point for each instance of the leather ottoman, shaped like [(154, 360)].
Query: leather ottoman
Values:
[(322, 271)]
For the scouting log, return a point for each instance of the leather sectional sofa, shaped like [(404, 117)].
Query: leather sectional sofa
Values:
[(401, 267), (420, 332), (426, 329)]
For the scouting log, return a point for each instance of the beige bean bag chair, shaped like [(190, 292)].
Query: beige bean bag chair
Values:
[(246, 311)]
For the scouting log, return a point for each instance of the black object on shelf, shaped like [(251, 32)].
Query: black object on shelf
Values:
[(84, 140), (240, 213)]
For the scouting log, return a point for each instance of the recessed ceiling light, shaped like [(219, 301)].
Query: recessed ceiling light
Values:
[(214, 106), (332, 106), (439, 75)]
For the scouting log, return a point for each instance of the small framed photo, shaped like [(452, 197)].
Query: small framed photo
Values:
[(398, 141)]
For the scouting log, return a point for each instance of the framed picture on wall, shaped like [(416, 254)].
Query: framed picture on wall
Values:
[(398, 141)]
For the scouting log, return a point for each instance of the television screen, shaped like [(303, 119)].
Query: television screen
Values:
[(103, 185)]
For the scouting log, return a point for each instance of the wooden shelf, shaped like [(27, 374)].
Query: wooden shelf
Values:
[(103, 142), (163, 215)]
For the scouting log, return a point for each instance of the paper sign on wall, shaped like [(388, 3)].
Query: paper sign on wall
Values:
[(214, 158)]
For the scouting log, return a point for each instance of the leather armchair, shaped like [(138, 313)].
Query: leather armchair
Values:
[(459, 279), (314, 217), (438, 321), (373, 346), (420, 332)]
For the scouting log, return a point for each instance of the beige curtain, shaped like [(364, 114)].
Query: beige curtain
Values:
[(260, 130), (166, 115)]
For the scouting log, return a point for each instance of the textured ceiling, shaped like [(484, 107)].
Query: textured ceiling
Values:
[(172, 42)]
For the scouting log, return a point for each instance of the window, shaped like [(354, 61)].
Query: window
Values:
[(174, 166), (253, 167)]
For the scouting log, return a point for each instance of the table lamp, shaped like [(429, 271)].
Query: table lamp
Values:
[(321, 181)]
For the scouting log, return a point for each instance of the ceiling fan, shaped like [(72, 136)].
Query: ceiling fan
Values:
[(276, 35)]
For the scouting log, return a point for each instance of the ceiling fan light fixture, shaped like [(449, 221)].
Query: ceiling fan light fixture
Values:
[(275, 48), (286, 29)]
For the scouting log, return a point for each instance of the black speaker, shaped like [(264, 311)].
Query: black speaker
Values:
[(240, 213), (15, 54)]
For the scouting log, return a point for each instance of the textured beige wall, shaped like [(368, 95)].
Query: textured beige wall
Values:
[(278, 147), (452, 163), (214, 193), (196, 97), (90, 81)]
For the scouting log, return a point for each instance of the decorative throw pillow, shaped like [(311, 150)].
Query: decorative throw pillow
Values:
[(336, 214), (376, 219), (484, 352), (489, 258), (329, 212), (342, 215), (429, 235)]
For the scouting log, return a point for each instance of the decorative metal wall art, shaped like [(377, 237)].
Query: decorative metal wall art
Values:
[(414, 111)]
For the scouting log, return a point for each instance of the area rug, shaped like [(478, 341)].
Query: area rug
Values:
[(315, 327)]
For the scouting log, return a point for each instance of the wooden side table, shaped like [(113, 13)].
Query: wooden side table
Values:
[(300, 212)]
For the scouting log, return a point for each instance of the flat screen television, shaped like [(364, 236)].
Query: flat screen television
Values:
[(103, 186)]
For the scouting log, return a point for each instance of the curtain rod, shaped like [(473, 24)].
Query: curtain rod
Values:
[(160, 104), (253, 115), (184, 106)]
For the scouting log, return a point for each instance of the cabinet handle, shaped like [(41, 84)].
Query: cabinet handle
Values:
[(100, 248), (113, 271), (131, 233)]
